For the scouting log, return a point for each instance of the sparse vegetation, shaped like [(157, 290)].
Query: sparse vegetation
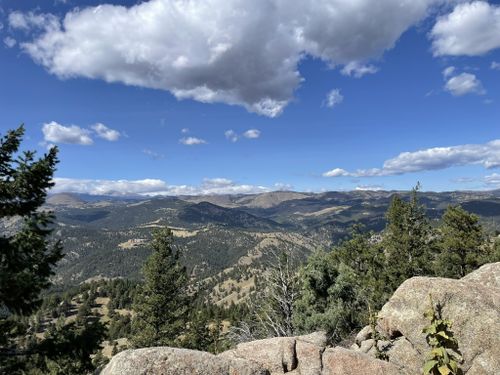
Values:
[(444, 357)]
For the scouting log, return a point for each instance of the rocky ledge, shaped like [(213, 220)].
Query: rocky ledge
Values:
[(472, 304)]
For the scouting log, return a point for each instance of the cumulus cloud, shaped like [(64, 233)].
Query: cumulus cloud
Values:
[(29, 21), (333, 98), (231, 135), (106, 133), (109, 187), (336, 172), (184, 130), (486, 155), (237, 52), (252, 134), (448, 71), (192, 141), (72, 134), (464, 83), (9, 42), (471, 29), (495, 65), (153, 187), (358, 70)]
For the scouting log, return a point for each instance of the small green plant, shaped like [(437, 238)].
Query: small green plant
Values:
[(444, 356)]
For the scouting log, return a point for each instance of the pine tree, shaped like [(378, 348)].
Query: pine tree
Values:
[(198, 336), (331, 298), (27, 257), (367, 260), (461, 243), (407, 240), (162, 302)]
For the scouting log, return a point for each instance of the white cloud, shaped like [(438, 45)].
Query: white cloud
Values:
[(464, 83), (448, 71), (152, 187), (358, 70), (29, 21), (106, 133), (486, 155), (369, 188), (9, 42), (336, 172), (184, 130), (153, 154), (57, 133), (492, 180), (252, 134), (495, 65), (471, 29), (191, 141), (231, 135), (237, 52), (109, 187), (333, 98)]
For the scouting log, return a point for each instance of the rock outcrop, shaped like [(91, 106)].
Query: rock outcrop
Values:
[(472, 304), (301, 355), (173, 361)]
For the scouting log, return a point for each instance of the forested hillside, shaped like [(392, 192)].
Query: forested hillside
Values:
[(109, 236)]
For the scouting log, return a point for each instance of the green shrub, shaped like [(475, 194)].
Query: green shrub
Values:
[(444, 356)]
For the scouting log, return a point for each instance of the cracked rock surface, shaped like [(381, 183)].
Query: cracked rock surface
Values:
[(471, 303)]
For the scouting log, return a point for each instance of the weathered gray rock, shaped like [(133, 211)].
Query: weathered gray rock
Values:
[(173, 361), (280, 355), (309, 358), (473, 307), (404, 356), (341, 361), (366, 345), (487, 275), (275, 354), (363, 335)]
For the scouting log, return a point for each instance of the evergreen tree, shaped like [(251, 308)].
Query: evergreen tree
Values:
[(199, 335), (461, 243), (161, 304), (365, 257), (407, 240), (331, 298), (494, 254), (26, 256), (67, 349)]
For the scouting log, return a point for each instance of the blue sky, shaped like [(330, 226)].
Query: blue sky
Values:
[(165, 98)]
